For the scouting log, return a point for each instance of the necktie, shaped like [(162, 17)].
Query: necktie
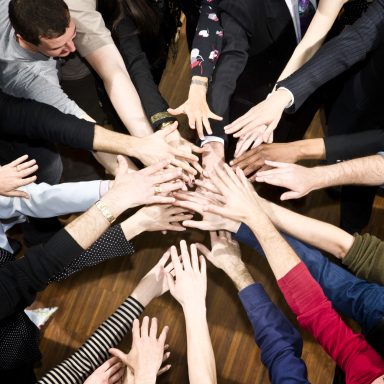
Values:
[(306, 12)]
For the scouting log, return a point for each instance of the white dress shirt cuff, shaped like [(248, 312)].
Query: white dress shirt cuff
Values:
[(209, 139), (290, 94)]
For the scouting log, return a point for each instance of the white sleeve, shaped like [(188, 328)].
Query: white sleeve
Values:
[(51, 200)]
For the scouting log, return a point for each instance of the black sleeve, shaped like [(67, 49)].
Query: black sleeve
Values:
[(207, 42), (139, 70), (232, 61), (22, 279), (32, 120), (111, 244), (360, 144), (339, 54)]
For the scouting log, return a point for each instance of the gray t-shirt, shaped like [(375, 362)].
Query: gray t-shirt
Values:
[(30, 75)]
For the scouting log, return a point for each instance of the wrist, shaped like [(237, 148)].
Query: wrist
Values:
[(283, 97), (310, 149), (194, 309), (142, 376), (109, 206), (240, 276), (133, 226)]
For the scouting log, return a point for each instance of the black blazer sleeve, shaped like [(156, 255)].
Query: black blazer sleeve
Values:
[(22, 279), (232, 61), (31, 120), (339, 54), (360, 144), (139, 69)]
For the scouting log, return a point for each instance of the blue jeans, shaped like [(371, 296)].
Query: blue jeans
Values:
[(350, 296)]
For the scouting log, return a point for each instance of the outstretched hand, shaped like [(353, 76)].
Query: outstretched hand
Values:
[(155, 282), (254, 159), (189, 283), (196, 201), (197, 110), (160, 146), (150, 185), (298, 179), (258, 124), (237, 197), (225, 253), (147, 353), (15, 175)]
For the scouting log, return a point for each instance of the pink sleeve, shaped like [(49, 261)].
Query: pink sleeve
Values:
[(314, 312)]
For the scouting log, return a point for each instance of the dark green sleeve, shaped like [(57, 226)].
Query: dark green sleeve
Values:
[(366, 258)]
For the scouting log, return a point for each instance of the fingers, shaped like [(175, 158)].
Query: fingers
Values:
[(185, 256), (163, 336), (203, 225), (155, 168), (26, 172), (164, 369), (175, 260), (194, 257), (176, 111), (18, 161), (136, 330), (153, 329), (16, 193), (122, 165), (213, 116), (203, 266), (118, 353), (200, 129), (144, 330), (291, 195), (184, 165), (203, 249)]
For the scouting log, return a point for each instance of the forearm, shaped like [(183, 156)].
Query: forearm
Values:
[(280, 255), (22, 279), (279, 342), (362, 171), (109, 64), (321, 235), (309, 149), (321, 23), (201, 360), (80, 365), (351, 46), (32, 120), (52, 200), (113, 142)]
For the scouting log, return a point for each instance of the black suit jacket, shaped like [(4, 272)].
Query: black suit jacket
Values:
[(359, 144), (259, 38), (339, 54)]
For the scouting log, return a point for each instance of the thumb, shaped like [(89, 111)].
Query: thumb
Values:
[(176, 111), (122, 166), (169, 129), (119, 354), (290, 195)]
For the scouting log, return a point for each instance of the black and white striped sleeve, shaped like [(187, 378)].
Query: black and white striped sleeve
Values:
[(94, 351)]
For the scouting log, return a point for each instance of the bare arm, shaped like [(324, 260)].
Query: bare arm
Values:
[(108, 63), (321, 235), (189, 289), (321, 23), (302, 180)]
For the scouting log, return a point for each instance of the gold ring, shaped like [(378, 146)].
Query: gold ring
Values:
[(157, 189)]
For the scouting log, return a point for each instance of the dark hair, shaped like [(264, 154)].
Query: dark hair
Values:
[(33, 19)]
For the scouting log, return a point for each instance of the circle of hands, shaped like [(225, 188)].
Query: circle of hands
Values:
[(222, 198), (171, 196)]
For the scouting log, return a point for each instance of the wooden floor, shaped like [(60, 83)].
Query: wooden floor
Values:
[(88, 298)]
